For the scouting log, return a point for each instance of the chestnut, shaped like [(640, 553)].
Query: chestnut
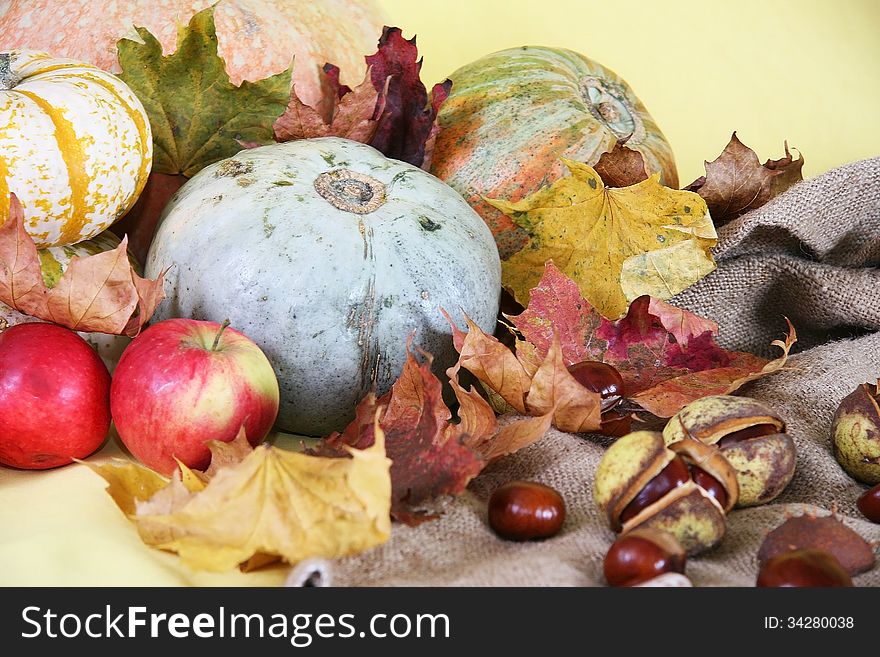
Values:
[(869, 504), (855, 434), (666, 581), (600, 378), (685, 489), (526, 510), (641, 555), (803, 568), (752, 437)]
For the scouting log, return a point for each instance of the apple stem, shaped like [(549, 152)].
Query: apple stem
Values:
[(223, 326)]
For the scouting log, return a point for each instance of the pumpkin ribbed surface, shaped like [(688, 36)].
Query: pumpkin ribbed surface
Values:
[(512, 115), (75, 146)]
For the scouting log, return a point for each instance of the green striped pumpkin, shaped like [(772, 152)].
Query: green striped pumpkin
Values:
[(513, 114)]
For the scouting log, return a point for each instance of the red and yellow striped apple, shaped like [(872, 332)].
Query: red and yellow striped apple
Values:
[(183, 382), (54, 397)]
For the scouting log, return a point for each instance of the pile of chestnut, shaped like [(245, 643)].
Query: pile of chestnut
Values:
[(668, 494)]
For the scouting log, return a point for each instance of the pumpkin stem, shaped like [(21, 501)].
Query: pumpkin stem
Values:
[(350, 191), (223, 326), (8, 79)]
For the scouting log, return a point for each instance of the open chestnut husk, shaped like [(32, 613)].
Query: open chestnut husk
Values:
[(685, 489), (752, 437), (855, 434), (803, 568)]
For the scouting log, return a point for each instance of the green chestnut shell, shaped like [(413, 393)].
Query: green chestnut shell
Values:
[(764, 464), (687, 512), (626, 467), (855, 434)]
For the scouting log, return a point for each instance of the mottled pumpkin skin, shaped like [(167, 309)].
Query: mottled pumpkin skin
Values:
[(54, 262), (330, 295), (257, 38), (512, 115), (75, 146)]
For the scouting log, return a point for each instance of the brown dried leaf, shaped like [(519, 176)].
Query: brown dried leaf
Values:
[(225, 454), (21, 278), (431, 456), (621, 167), (555, 392), (343, 112), (546, 388), (514, 436), (100, 293), (736, 182), (492, 363), (667, 357), (480, 430), (477, 419)]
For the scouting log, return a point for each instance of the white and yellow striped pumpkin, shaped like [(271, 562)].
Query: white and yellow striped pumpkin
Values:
[(75, 146)]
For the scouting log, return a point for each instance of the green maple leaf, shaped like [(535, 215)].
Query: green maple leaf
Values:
[(197, 115)]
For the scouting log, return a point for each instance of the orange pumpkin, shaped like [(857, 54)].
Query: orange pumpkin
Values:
[(256, 37)]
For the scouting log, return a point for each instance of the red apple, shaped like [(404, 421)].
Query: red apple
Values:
[(54, 397), (184, 382)]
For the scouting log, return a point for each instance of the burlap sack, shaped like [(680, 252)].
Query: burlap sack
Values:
[(810, 254)]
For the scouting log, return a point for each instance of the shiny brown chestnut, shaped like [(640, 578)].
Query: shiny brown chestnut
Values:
[(869, 504), (685, 489), (803, 568), (601, 378), (642, 555), (526, 510)]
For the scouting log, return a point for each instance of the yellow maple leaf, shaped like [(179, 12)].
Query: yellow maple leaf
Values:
[(616, 244), (272, 502)]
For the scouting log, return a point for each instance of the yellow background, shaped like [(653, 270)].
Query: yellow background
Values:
[(807, 71)]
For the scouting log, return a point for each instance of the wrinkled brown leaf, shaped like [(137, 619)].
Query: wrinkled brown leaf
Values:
[(736, 181), (99, 293), (346, 113), (621, 167), (225, 454), (546, 388)]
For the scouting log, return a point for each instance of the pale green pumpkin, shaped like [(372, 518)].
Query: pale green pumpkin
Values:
[(329, 256)]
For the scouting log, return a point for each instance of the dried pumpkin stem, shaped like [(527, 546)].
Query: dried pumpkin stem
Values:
[(8, 79), (350, 191)]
